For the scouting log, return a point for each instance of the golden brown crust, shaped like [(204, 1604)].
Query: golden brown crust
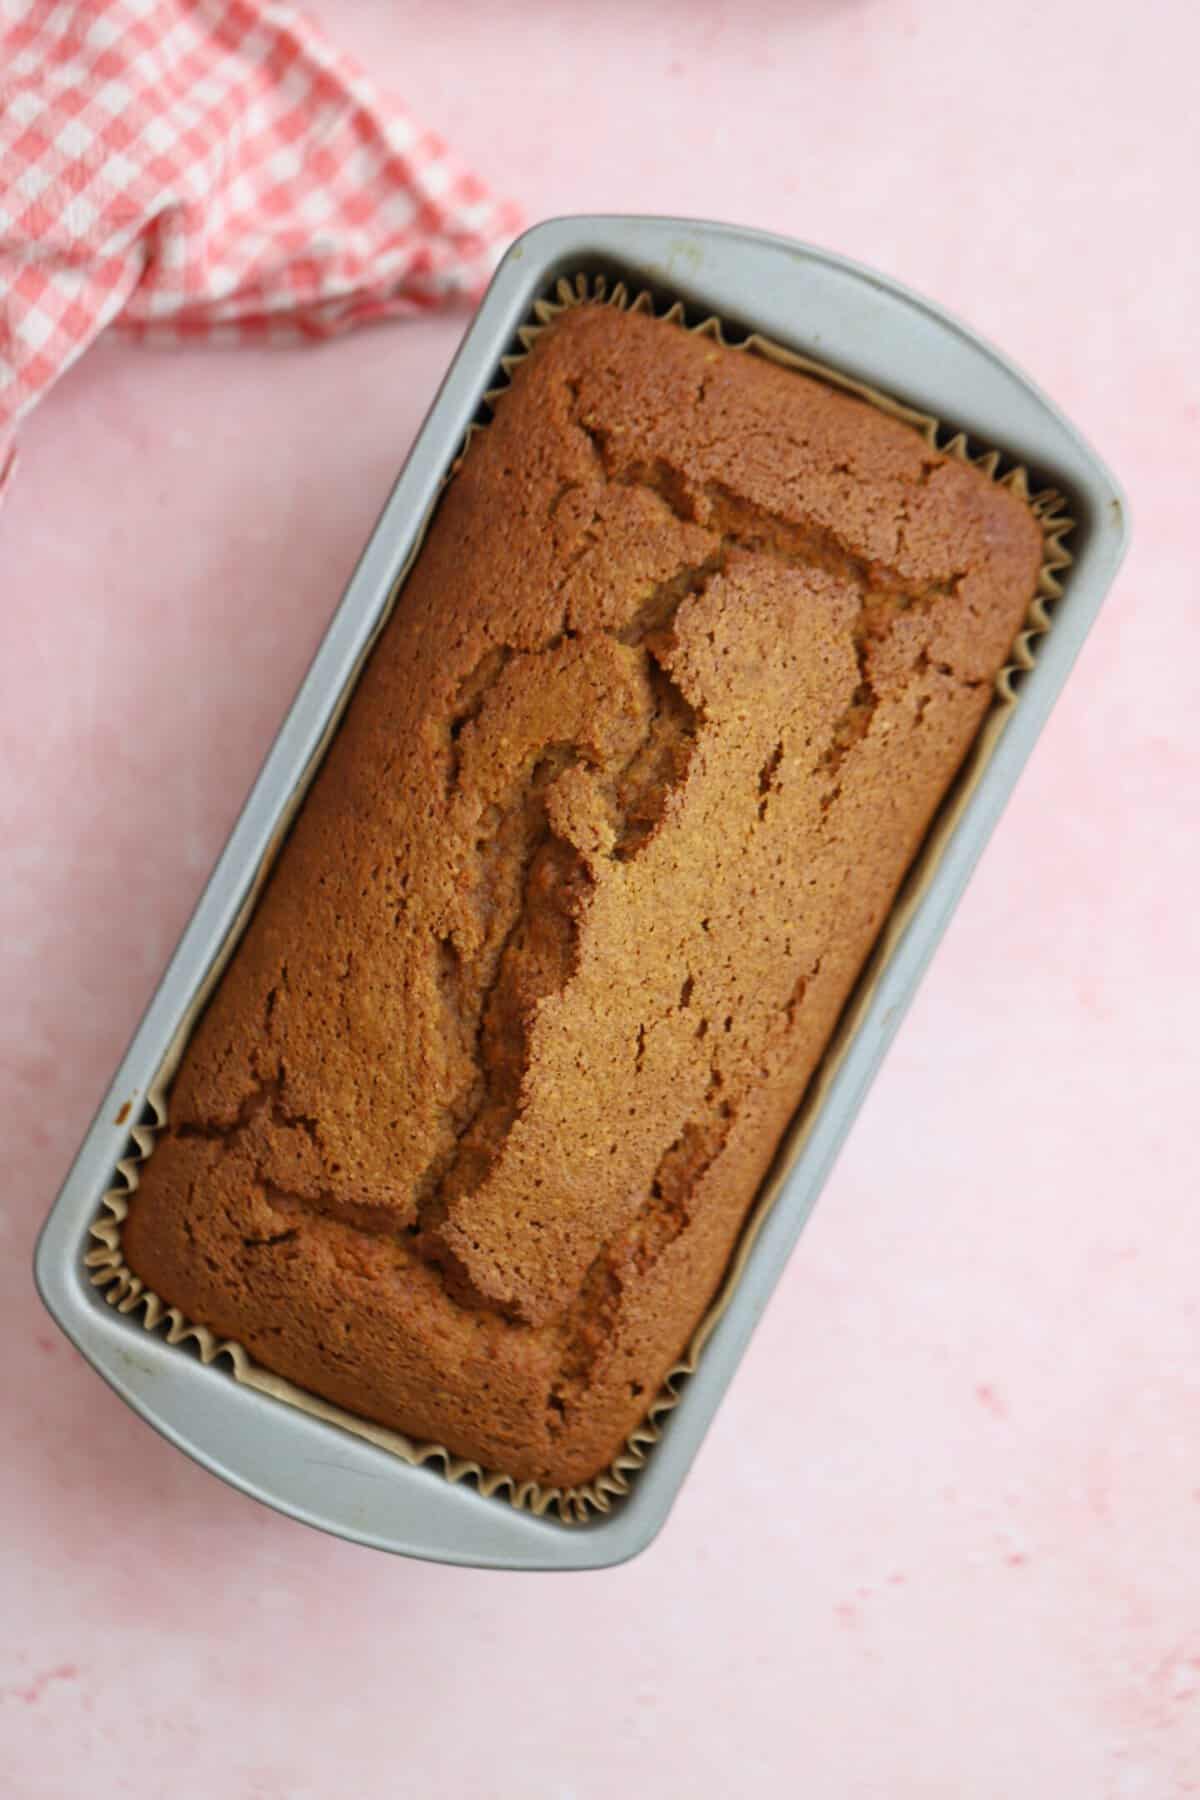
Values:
[(693, 649)]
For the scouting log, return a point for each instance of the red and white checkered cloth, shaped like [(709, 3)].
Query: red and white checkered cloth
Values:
[(210, 169)]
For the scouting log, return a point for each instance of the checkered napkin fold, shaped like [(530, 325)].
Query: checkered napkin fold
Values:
[(210, 170)]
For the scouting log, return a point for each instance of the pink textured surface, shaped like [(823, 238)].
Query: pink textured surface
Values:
[(944, 1539)]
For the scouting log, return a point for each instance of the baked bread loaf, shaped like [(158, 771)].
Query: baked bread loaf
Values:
[(465, 1138)]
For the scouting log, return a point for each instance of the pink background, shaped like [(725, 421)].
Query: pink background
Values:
[(943, 1539)]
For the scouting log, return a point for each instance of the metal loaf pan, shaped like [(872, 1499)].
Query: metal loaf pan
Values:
[(830, 310)]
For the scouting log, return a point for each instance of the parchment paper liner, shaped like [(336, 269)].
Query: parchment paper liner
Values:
[(126, 1292)]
